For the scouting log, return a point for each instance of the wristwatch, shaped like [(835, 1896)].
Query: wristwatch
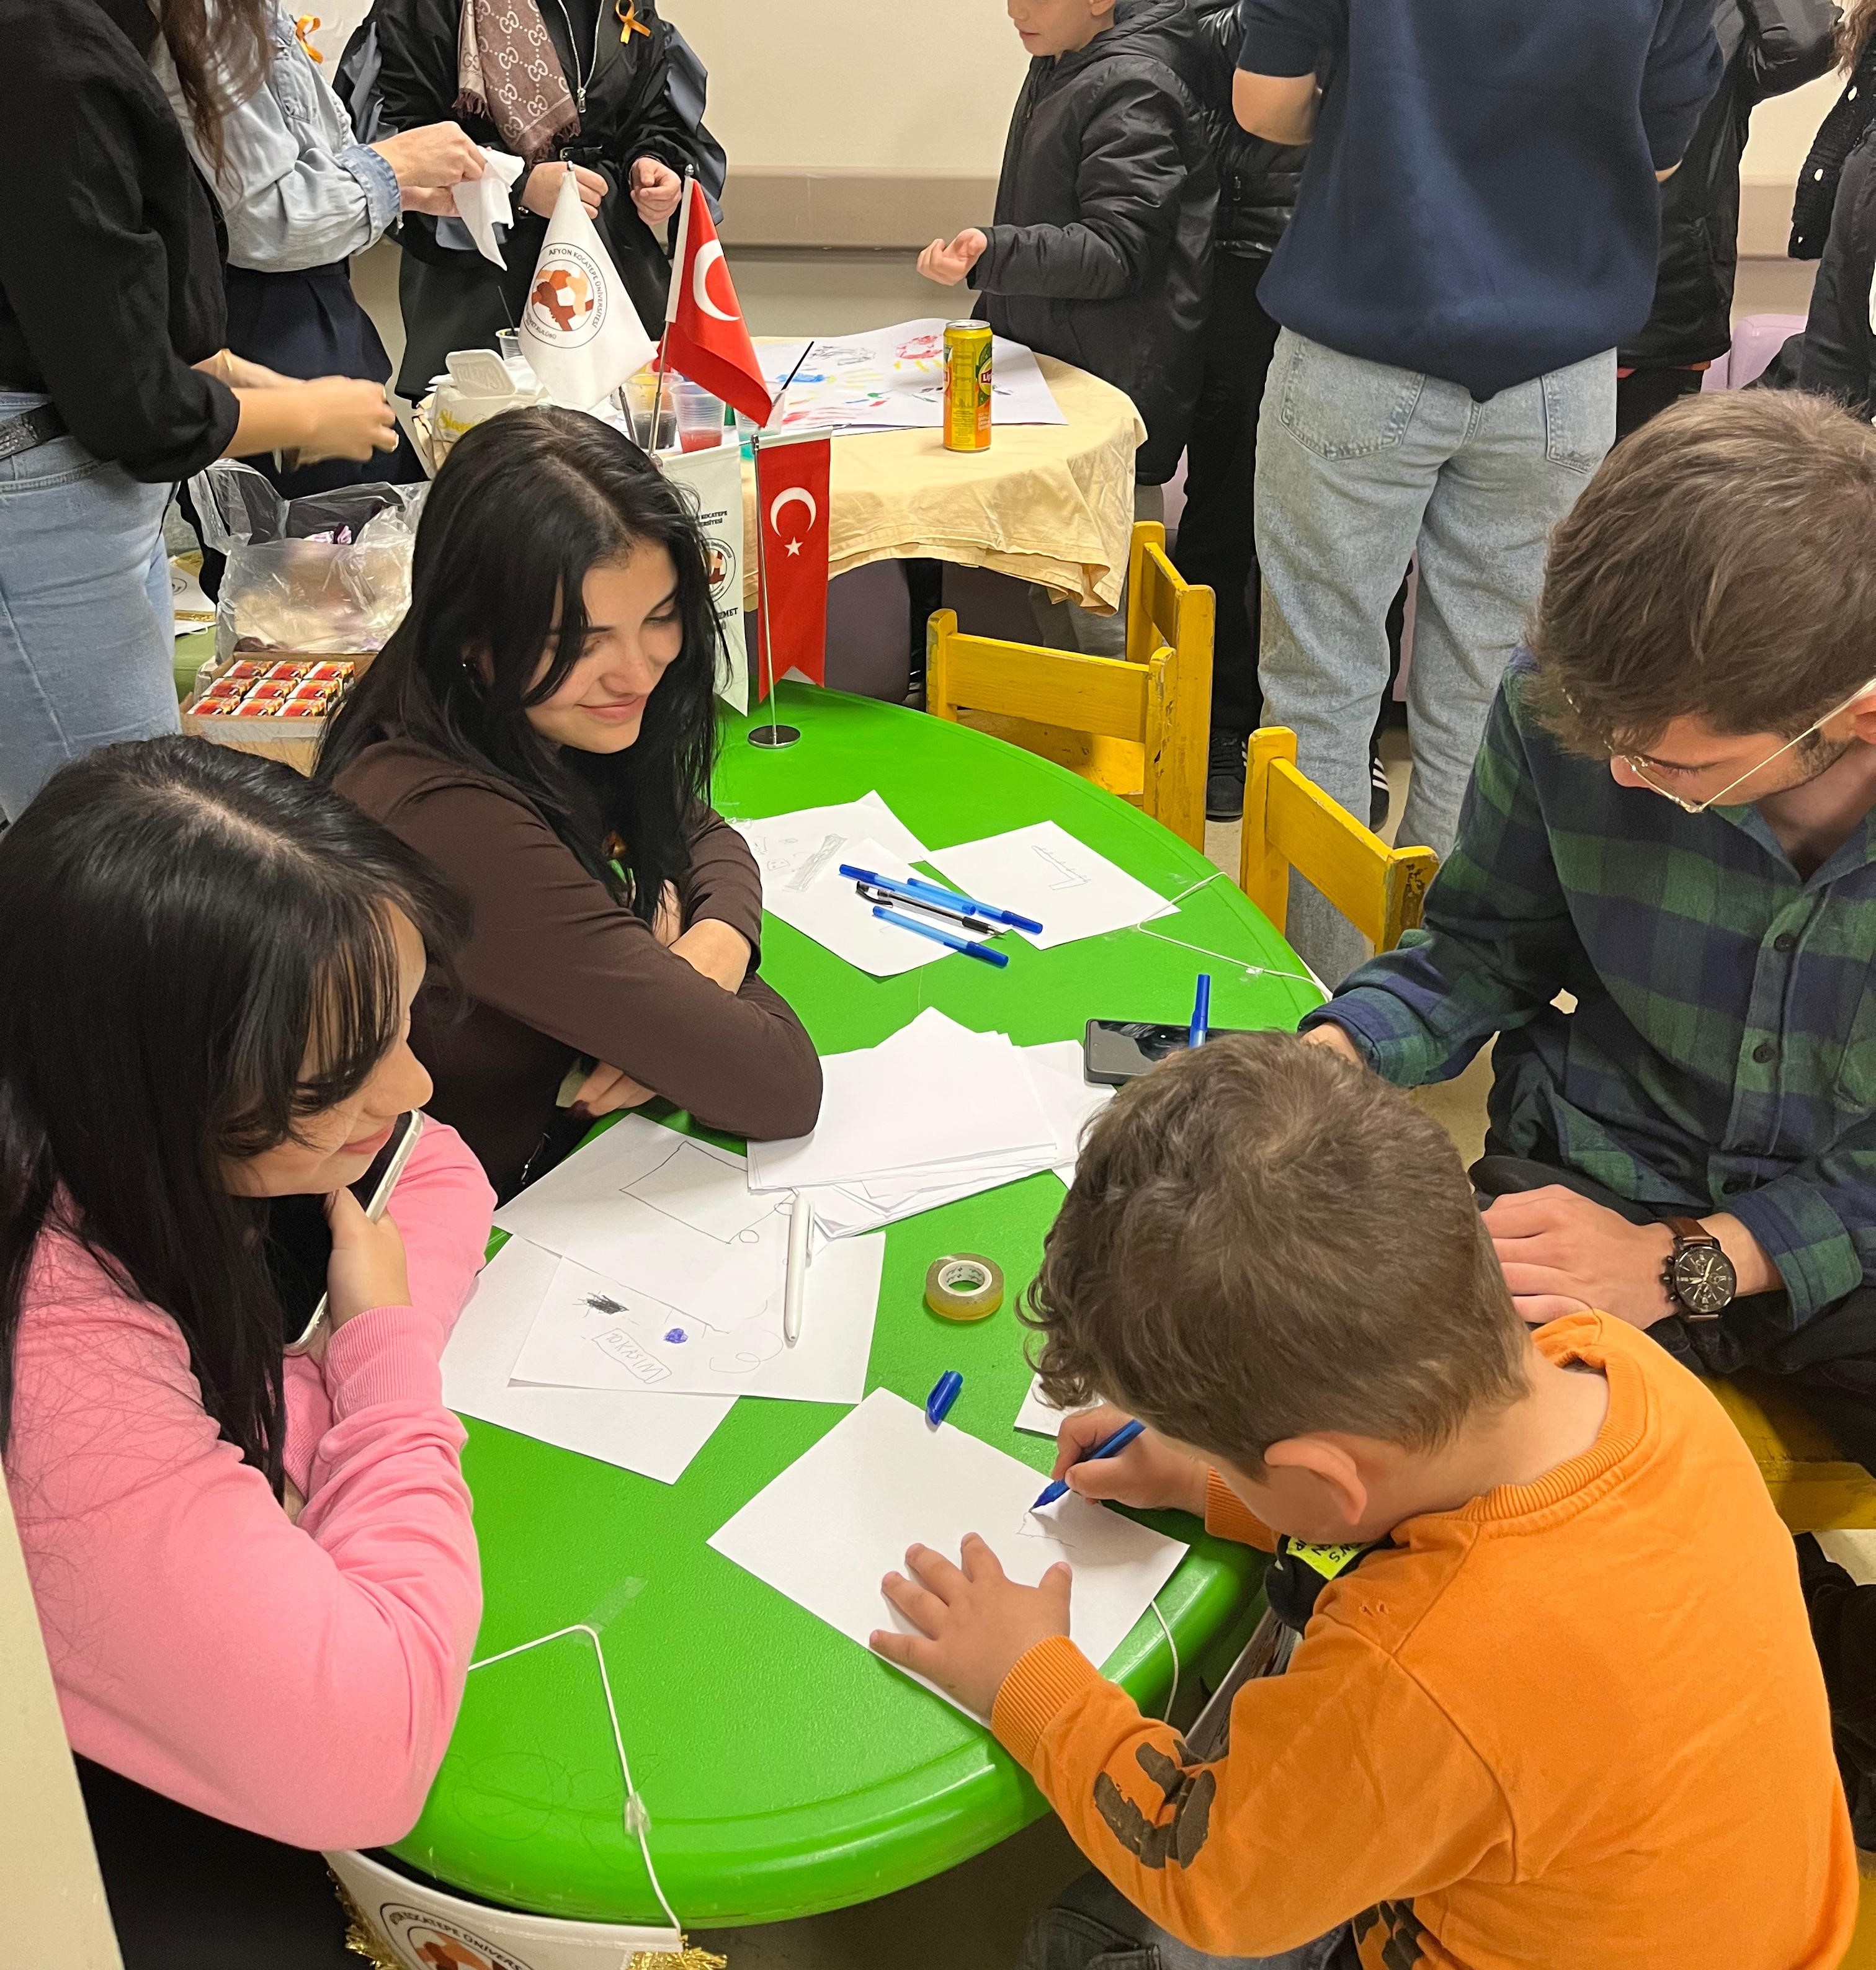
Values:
[(1699, 1275)]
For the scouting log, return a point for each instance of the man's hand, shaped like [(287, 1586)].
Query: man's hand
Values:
[(656, 189), (1149, 1474), (1563, 1254), (975, 1624), (947, 265), (541, 188), (1336, 1039)]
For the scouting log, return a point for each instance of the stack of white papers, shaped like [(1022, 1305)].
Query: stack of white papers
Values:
[(829, 1529), (801, 856), (935, 1113), (1044, 874)]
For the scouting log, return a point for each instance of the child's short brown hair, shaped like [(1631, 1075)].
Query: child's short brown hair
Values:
[(1264, 1241)]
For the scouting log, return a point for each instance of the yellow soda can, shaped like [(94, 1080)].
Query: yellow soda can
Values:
[(968, 386)]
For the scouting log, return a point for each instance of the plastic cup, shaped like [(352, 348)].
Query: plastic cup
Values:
[(699, 416)]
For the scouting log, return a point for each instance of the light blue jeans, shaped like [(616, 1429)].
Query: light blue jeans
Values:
[(1094, 1926), (87, 650), (1361, 466)]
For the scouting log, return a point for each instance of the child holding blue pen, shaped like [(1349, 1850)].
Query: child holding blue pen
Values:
[(1532, 1725)]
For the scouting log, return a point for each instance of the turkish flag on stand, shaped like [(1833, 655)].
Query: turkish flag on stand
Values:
[(792, 509), (706, 338)]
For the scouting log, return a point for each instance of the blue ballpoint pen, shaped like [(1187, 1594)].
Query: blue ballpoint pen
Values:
[(1202, 1012), (914, 891), (981, 952), (1112, 1448)]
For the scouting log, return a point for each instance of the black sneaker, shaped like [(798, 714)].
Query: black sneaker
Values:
[(1380, 793), (1224, 775)]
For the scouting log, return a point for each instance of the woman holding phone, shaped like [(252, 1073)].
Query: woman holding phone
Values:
[(542, 726), (256, 1576)]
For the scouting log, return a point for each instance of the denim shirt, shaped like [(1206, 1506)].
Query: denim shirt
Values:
[(296, 189)]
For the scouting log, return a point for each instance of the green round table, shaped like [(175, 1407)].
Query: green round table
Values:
[(786, 1771)]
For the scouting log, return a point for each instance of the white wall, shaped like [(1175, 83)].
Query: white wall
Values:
[(1781, 131), (883, 84)]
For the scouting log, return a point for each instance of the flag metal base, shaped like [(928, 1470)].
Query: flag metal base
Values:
[(774, 738)]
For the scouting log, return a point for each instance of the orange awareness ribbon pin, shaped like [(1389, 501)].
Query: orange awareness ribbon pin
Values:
[(628, 21), (305, 27)]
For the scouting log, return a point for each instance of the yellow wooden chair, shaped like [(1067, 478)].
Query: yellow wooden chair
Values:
[(1143, 738), (1815, 1489), (1290, 823)]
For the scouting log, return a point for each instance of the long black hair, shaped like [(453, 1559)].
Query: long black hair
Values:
[(183, 930), (526, 505)]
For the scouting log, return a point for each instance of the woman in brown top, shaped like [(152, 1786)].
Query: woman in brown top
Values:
[(542, 726)]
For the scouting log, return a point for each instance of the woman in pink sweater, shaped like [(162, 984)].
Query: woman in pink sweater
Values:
[(256, 1576)]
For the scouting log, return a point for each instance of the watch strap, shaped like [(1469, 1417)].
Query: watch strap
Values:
[(1690, 1231)]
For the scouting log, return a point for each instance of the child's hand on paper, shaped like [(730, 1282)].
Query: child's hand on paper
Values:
[(947, 265), (976, 1624), (1150, 1474)]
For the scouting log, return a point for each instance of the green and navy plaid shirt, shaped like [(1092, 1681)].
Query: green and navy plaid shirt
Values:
[(1722, 1053)]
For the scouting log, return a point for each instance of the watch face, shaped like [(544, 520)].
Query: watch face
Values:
[(1704, 1279)]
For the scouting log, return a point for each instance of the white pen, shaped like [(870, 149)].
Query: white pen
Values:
[(801, 1222)]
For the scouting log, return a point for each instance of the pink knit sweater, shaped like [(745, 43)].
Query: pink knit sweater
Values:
[(302, 1680)]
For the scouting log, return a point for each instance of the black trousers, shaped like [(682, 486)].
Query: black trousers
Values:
[(1841, 1395), (1643, 394), (1217, 537), (190, 1893)]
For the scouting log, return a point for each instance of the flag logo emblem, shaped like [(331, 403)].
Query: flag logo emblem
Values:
[(568, 302)]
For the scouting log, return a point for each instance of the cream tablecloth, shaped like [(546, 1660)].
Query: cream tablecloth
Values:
[(1048, 503)]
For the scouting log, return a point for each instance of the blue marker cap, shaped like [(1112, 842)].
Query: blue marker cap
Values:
[(938, 1405)]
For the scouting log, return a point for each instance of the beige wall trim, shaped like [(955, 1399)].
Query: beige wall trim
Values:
[(852, 208), (1765, 217)]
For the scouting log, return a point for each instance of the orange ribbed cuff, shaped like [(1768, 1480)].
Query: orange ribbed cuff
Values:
[(1035, 1693), (1227, 1516)]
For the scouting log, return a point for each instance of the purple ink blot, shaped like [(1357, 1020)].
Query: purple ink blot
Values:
[(676, 1333)]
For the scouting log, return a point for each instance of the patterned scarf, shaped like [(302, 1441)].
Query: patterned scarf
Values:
[(506, 71)]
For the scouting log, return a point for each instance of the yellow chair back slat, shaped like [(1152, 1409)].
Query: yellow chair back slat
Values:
[(1290, 823), (1140, 727), (1815, 1490)]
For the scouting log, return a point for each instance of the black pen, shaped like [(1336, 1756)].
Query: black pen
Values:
[(894, 901)]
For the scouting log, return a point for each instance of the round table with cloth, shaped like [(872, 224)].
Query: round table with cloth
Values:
[(1047, 503), (787, 1771)]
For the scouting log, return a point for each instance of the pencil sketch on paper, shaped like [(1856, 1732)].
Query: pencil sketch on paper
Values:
[(1058, 872)]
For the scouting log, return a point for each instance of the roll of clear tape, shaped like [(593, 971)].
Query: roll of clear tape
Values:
[(962, 1286)]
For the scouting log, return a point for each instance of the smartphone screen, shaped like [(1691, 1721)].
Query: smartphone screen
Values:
[(299, 1240), (1116, 1051)]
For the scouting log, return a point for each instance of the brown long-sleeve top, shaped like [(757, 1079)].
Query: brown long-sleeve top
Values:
[(556, 970)]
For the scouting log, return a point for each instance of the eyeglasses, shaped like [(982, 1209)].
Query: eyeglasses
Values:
[(1640, 771)]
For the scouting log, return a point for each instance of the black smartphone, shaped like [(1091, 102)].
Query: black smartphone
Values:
[(299, 1240), (1113, 1051)]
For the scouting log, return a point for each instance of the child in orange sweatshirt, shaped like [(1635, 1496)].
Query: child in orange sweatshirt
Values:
[(1566, 1713)]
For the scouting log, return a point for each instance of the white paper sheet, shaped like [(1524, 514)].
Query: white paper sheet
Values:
[(1044, 873), (595, 1333), (823, 904), (829, 1528), (1068, 1103), (482, 203), (1038, 1417), (655, 1436), (893, 380), (936, 1095)]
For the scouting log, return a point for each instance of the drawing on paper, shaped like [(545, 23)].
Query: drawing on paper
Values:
[(687, 1185), (634, 1331), (1058, 873), (1033, 1526)]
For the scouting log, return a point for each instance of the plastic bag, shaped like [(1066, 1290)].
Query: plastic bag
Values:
[(328, 575)]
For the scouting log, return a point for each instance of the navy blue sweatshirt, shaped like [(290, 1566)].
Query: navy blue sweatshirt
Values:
[(1480, 202)]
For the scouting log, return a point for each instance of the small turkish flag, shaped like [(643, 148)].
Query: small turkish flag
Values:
[(791, 504), (706, 337)]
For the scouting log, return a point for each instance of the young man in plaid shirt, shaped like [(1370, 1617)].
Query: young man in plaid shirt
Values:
[(1672, 820)]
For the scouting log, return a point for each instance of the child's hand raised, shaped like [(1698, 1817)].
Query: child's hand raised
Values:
[(1149, 1474), (975, 1623), (947, 265)]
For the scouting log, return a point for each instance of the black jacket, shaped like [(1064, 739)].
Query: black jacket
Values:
[(1101, 253), (1257, 179), (1837, 353), (1839, 134), (630, 112), (1770, 46)]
